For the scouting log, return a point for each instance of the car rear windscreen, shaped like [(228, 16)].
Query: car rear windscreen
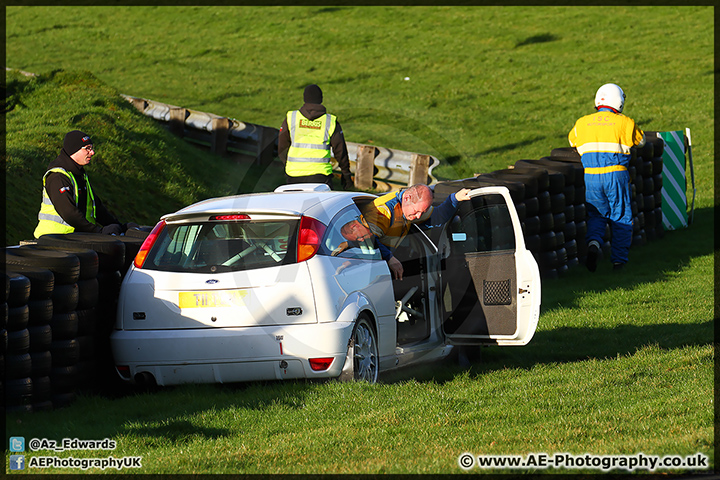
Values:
[(214, 247)]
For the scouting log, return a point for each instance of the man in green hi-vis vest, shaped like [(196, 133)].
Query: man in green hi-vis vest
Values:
[(68, 202), (306, 139)]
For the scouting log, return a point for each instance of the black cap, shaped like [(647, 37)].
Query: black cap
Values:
[(312, 94), (74, 141)]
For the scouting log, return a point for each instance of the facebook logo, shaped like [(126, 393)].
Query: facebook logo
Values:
[(17, 444), (17, 462)]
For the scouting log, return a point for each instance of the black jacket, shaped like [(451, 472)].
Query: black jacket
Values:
[(311, 111), (63, 199)]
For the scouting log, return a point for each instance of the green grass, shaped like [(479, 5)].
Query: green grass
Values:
[(604, 406), (487, 85), (620, 364)]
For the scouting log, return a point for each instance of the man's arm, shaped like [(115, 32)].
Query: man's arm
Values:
[(385, 251), (395, 266), (446, 210), (283, 141), (638, 135), (340, 153), (572, 136), (102, 214)]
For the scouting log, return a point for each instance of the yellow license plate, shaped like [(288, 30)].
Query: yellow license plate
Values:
[(212, 298)]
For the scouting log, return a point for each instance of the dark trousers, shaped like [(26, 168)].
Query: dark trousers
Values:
[(317, 178)]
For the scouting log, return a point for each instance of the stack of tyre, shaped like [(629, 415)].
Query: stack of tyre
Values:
[(115, 254), (562, 216), (646, 184), (645, 171), (27, 388), (58, 337), (542, 203), (71, 352), (54, 324), (575, 210)]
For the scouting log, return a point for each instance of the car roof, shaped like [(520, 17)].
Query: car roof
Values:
[(320, 205)]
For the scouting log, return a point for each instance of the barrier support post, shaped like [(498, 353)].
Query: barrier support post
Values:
[(139, 103), (176, 122), (266, 142), (218, 141), (365, 167), (419, 169)]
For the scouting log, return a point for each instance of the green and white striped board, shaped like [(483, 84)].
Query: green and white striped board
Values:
[(674, 199)]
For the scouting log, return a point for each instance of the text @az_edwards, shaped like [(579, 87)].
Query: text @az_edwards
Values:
[(66, 444)]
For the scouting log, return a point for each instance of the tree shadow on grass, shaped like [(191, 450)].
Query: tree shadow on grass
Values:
[(657, 261), (565, 345), (509, 147), (178, 432), (542, 38)]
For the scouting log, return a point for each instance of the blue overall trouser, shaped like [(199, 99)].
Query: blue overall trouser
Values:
[(607, 196)]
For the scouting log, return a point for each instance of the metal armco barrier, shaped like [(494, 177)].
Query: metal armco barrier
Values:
[(390, 168), (395, 166), (221, 134)]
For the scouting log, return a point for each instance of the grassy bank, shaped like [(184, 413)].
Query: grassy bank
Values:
[(140, 170)]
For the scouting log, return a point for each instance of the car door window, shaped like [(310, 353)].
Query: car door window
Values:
[(339, 242), (485, 227)]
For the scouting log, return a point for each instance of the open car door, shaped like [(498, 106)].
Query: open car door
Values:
[(491, 282)]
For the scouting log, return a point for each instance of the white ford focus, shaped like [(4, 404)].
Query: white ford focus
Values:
[(252, 287)]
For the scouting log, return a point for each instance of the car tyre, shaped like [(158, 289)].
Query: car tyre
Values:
[(18, 318), (365, 354), (65, 297), (110, 250), (40, 312), (89, 261), (19, 291), (42, 280), (40, 363), (65, 266)]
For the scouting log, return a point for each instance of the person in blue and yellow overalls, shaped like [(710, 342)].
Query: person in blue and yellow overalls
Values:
[(603, 139)]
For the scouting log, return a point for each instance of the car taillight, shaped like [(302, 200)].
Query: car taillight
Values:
[(148, 243), (320, 364), (311, 232)]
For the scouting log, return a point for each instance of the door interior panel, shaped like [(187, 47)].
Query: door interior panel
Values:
[(479, 273), (482, 300)]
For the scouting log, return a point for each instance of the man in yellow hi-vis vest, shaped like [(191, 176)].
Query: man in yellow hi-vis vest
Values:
[(306, 139), (68, 202)]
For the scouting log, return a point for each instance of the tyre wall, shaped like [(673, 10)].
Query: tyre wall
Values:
[(549, 195), (58, 312)]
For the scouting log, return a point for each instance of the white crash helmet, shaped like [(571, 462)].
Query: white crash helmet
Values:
[(610, 95)]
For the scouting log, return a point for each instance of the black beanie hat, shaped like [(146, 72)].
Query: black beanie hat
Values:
[(312, 94), (74, 141)]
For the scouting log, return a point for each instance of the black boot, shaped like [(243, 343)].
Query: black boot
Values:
[(592, 256)]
